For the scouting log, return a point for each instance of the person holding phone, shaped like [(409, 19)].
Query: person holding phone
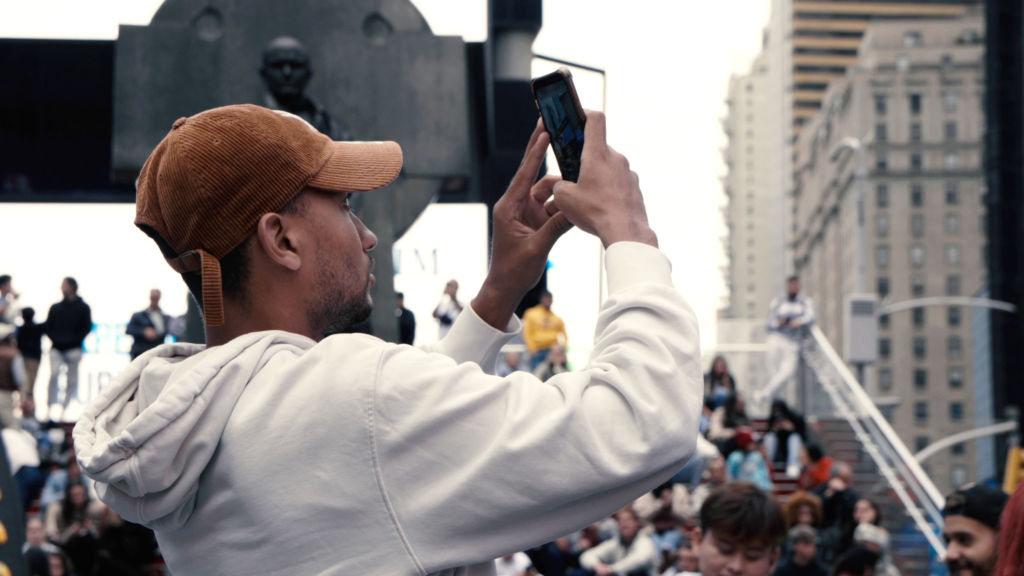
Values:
[(397, 460)]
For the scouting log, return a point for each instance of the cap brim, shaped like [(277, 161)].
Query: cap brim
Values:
[(358, 167)]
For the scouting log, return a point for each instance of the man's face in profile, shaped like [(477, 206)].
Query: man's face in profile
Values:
[(793, 288), (286, 72), (971, 546)]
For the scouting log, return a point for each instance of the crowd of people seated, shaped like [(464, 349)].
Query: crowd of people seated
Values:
[(827, 525)]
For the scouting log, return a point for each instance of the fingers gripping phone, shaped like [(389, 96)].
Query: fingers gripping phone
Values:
[(559, 106)]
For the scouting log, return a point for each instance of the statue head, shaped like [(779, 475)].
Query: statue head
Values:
[(286, 70)]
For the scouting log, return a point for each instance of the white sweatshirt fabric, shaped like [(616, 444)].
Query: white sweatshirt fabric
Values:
[(275, 454)]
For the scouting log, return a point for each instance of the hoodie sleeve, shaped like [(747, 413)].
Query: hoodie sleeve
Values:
[(473, 466)]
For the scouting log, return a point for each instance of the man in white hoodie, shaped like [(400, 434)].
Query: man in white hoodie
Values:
[(277, 450)]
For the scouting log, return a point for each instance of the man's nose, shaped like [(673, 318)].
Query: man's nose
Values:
[(368, 237)]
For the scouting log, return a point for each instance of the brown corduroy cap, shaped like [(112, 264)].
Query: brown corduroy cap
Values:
[(208, 182)]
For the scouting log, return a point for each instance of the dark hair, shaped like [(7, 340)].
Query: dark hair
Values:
[(743, 512), (814, 451), (878, 512), (792, 278), (73, 283), (68, 512), (399, 295), (28, 313), (798, 500), (856, 560), (4, 279)]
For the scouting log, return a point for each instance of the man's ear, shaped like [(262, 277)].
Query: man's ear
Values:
[(278, 239), (775, 557)]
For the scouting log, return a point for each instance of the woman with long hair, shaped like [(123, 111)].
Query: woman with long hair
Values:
[(1011, 536)]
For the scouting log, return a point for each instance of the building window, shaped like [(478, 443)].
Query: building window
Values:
[(952, 254), (949, 101), (917, 317), (917, 286), (955, 347), (917, 224), (882, 256), (952, 193), (921, 412), (882, 195), (916, 194), (880, 104), (917, 256), (885, 379), (915, 162), (915, 132), (881, 163), (884, 348), (950, 160), (958, 476), (953, 316), (921, 379), (956, 411), (950, 131), (880, 133), (883, 321), (920, 348), (915, 103), (957, 449), (883, 288), (952, 285), (952, 224), (887, 413), (956, 377), (920, 443), (911, 38), (882, 225)]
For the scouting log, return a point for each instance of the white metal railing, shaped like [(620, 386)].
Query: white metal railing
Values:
[(896, 463)]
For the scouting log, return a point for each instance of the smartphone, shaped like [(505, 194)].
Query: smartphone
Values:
[(559, 106)]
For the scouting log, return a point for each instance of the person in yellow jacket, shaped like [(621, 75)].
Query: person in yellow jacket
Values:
[(542, 329)]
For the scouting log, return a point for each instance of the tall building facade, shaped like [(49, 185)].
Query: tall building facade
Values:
[(909, 112)]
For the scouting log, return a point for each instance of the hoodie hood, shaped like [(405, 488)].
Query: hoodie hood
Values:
[(148, 437)]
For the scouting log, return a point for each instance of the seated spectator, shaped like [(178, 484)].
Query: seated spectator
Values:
[(724, 421), (124, 548), (35, 536), (747, 463), (838, 501), (555, 363), (511, 362), (803, 508), (517, 564), (715, 478), (802, 557), (60, 564), (718, 383), (74, 524), (555, 558), (740, 531), (815, 467), (687, 562), (705, 416), (664, 509), (785, 437), (38, 562), (857, 561), (630, 554), (23, 461), (876, 539)]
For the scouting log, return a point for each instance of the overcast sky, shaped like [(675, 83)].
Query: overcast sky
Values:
[(667, 64)]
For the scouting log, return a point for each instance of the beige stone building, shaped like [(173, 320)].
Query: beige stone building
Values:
[(913, 103)]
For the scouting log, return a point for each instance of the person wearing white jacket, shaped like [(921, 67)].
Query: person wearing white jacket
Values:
[(276, 449)]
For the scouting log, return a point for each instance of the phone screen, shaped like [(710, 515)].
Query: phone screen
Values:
[(563, 121)]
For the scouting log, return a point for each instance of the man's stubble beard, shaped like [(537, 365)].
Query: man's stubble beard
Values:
[(334, 308)]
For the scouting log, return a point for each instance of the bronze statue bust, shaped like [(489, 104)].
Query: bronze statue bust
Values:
[(286, 71)]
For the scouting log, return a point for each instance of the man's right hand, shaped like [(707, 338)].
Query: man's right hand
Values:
[(606, 200)]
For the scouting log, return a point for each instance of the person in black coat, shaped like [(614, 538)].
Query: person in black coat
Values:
[(148, 327), (67, 324), (406, 320), (802, 557)]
